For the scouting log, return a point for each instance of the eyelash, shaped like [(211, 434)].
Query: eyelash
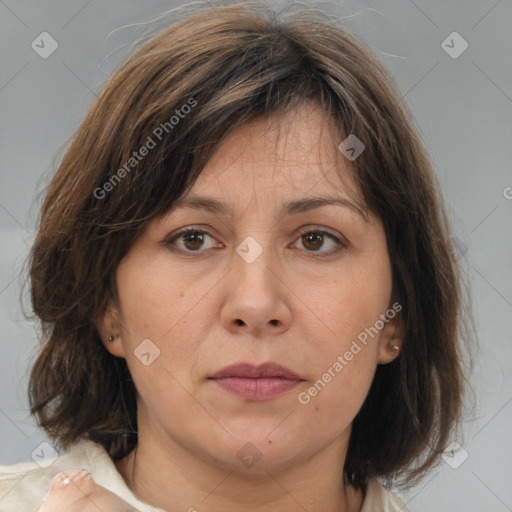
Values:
[(316, 254)]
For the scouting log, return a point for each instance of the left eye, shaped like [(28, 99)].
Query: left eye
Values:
[(314, 240)]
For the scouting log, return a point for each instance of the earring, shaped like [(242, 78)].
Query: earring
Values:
[(394, 350)]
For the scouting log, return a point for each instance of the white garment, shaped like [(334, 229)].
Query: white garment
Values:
[(23, 486)]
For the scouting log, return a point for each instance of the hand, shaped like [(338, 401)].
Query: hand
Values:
[(76, 491)]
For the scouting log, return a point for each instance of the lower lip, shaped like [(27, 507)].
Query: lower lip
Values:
[(263, 388)]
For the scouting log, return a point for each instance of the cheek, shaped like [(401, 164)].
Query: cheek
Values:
[(351, 304), (332, 401), (157, 300), (162, 307), (346, 354)]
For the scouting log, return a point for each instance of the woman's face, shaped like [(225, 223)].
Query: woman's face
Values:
[(302, 286)]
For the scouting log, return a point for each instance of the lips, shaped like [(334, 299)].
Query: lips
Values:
[(247, 370), (256, 383)]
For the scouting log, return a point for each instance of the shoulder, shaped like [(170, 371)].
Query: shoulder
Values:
[(24, 486), (380, 499)]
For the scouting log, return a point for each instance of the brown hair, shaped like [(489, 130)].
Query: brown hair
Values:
[(230, 65)]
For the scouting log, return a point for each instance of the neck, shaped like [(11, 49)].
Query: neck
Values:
[(170, 476)]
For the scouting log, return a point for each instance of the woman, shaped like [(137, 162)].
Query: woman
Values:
[(243, 271)]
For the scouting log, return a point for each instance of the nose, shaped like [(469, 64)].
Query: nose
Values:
[(257, 296)]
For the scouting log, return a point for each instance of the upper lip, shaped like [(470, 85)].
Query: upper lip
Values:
[(248, 370)]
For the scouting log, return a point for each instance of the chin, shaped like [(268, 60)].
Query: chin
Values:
[(254, 454)]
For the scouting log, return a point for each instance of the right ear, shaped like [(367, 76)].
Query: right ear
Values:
[(108, 326)]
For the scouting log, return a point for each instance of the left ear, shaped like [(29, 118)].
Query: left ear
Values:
[(391, 340)]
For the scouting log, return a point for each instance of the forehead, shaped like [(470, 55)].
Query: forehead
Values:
[(279, 158)]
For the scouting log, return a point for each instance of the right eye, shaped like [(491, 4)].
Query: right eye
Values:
[(190, 240)]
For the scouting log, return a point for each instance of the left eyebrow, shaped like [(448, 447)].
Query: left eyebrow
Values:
[(312, 203), (295, 207)]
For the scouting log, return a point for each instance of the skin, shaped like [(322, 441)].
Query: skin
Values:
[(76, 491), (209, 308)]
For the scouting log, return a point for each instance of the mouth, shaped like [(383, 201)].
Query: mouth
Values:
[(256, 383)]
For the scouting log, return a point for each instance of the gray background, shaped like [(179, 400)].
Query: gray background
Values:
[(463, 108)]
